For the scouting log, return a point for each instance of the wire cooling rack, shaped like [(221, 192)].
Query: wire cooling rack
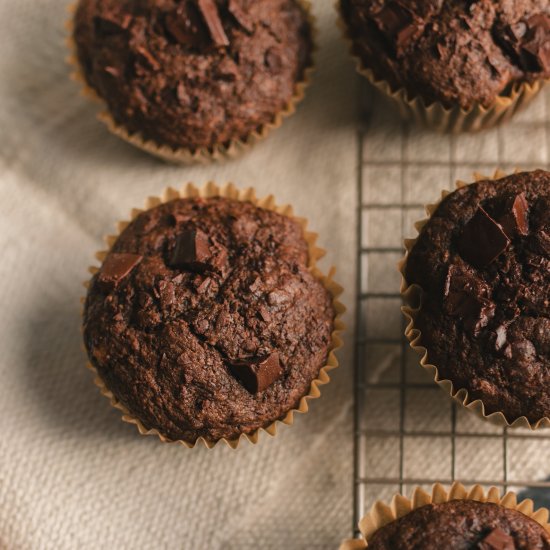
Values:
[(407, 431)]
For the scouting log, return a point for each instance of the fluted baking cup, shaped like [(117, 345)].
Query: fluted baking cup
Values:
[(438, 117), (412, 295), (229, 191), (381, 513), (200, 155)]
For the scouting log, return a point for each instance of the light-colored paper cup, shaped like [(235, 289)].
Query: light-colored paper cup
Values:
[(412, 295), (381, 514), (229, 191), (436, 116), (202, 155)]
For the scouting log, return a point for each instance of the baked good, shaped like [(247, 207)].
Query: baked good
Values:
[(461, 525), (193, 74), (459, 53), (205, 320), (482, 261)]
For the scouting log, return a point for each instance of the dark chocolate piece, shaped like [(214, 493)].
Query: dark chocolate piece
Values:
[(192, 251), (497, 539), (256, 375), (467, 298), (184, 26), (482, 240), (513, 218), (536, 43), (115, 268), (209, 11)]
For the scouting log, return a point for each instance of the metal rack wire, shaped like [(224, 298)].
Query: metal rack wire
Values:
[(407, 432)]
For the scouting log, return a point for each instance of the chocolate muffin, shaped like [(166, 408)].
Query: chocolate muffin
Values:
[(193, 74), (462, 52), (205, 319), (483, 264), (462, 525)]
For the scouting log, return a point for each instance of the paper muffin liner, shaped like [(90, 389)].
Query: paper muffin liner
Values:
[(230, 191), (381, 514), (202, 155), (412, 295), (438, 117)]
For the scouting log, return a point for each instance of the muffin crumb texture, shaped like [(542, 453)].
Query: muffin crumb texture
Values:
[(462, 52), (204, 319), (193, 74), (462, 525), (483, 263)]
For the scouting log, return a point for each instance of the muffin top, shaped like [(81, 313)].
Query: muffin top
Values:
[(458, 52), (204, 319), (483, 262), (193, 73), (462, 525)]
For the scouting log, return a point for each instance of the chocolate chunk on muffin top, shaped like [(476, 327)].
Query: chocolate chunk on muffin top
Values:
[(204, 319), (193, 73), (462, 525), (461, 52), (483, 262)]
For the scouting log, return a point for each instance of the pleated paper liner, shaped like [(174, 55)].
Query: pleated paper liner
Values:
[(437, 116), (202, 155), (412, 295), (229, 191), (381, 513)]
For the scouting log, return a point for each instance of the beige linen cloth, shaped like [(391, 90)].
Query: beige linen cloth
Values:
[(72, 475)]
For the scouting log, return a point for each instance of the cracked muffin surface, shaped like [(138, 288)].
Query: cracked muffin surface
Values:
[(204, 319), (193, 73), (483, 263), (457, 52)]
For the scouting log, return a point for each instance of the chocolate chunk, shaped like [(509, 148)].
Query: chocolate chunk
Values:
[(497, 540), (514, 216), (393, 17), (396, 21), (192, 251), (185, 27), (535, 45), (256, 375), (209, 11), (237, 11), (466, 297), (115, 268), (482, 240)]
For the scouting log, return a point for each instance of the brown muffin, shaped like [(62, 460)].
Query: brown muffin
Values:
[(204, 319), (483, 263), (456, 53), (193, 74), (462, 525)]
